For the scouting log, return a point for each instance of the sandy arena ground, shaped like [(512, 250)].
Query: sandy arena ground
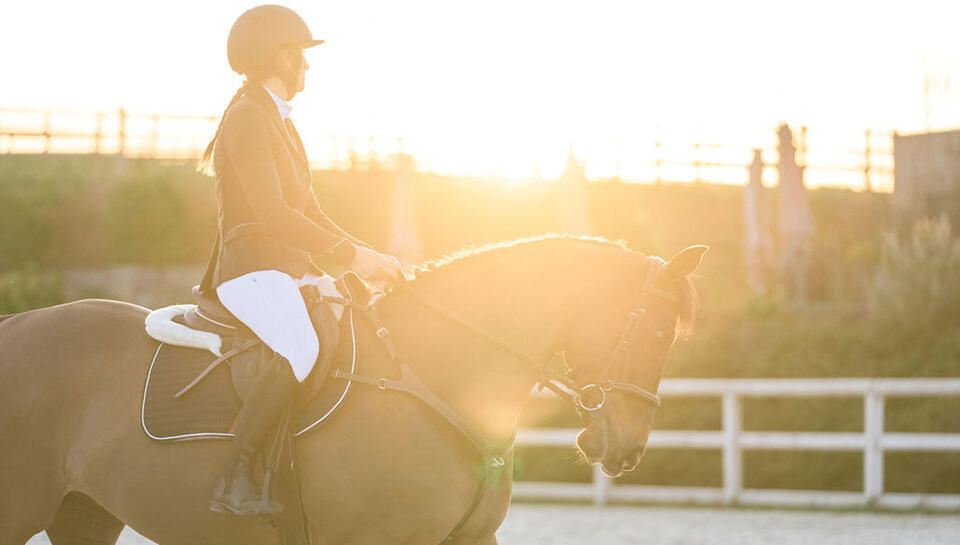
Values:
[(577, 525)]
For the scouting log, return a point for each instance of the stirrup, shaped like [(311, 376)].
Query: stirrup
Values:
[(264, 506)]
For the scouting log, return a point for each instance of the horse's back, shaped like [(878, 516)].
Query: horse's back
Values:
[(62, 368), (83, 312), (53, 348), (55, 356)]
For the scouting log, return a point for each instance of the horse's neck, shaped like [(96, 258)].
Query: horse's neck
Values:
[(529, 303)]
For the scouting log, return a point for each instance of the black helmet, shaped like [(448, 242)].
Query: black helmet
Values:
[(260, 32)]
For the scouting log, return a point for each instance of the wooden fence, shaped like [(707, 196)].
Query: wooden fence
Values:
[(665, 157), (116, 132), (732, 440)]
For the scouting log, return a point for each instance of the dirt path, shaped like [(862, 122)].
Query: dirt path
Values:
[(564, 525), (577, 525)]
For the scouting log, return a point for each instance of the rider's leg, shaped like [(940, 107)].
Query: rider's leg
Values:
[(259, 417), (270, 304)]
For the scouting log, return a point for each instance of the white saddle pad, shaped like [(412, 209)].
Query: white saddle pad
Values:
[(159, 324)]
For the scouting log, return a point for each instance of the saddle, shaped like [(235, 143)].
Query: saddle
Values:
[(187, 396), (190, 394), (211, 316), (215, 396)]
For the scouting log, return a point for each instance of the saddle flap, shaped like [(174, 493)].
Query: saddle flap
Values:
[(209, 408), (206, 408), (327, 326)]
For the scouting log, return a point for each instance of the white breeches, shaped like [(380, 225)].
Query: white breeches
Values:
[(270, 304)]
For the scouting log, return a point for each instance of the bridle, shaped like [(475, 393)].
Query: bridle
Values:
[(494, 452), (562, 385), (621, 353)]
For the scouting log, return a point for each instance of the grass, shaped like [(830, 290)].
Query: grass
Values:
[(58, 213)]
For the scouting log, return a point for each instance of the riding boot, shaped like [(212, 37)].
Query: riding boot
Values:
[(260, 415)]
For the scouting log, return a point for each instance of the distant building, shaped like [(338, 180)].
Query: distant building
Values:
[(926, 176), (574, 212)]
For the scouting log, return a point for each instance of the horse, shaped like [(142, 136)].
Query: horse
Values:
[(387, 468)]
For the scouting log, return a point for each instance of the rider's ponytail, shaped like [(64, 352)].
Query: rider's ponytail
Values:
[(205, 164)]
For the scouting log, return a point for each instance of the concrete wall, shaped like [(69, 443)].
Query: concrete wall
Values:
[(926, 175)]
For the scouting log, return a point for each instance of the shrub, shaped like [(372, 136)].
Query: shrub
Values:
[(918, 284), (29, 288)]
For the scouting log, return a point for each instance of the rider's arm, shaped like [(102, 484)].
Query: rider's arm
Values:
[(246, 139), (315, 213)]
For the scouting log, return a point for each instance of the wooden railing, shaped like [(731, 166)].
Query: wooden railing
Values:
[(114, 132), (732, 440), (867, 162)]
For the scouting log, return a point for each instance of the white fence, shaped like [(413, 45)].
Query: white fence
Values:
[(732, 440)]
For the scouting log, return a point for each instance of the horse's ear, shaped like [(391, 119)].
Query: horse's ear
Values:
[(685, 262)]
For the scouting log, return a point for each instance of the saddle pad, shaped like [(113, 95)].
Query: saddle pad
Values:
[(209, 409)]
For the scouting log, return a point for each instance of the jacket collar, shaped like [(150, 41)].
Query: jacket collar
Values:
[(282, 105), (260, 95)]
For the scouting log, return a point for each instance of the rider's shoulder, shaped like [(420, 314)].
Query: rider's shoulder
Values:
[(245, 111)]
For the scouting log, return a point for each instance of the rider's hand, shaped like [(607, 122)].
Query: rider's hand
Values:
[(375, 268)]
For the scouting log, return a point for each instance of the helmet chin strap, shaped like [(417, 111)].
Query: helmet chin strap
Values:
[(289, 74)]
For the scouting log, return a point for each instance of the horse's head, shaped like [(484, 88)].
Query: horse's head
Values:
[(617, 351)]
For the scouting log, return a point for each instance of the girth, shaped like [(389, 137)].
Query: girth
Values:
[(493, 453)]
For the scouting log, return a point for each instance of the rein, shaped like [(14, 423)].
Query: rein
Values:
[(494, 454), (562, 385)]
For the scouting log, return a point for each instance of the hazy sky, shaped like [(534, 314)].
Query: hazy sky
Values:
[(511, 83)]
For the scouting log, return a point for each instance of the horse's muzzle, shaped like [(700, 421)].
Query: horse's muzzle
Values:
[(590, 443)]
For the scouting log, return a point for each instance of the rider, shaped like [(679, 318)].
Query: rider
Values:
[(269, 223)]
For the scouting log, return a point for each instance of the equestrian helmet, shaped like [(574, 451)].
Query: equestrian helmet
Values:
[(260, 32)]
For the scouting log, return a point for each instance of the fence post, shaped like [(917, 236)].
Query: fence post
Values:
[(99, 136), (802, 148), (616, 161), (696, 157), (873, 409), (866, 164), (154, 134), (601, 486), (122, 131), (46, 132), (658, 160), (732, 456)]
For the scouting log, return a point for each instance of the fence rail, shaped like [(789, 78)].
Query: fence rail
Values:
[(732, 440), (185, 137), (94, 132)]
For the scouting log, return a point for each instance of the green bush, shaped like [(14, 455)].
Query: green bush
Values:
[(918, 284), (29, 288), (69, 212)]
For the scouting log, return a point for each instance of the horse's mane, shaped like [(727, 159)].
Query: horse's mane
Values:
[(461, 254), (689, 301)]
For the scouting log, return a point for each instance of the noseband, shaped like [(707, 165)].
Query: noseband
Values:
[(564, 386), (621, 352)]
